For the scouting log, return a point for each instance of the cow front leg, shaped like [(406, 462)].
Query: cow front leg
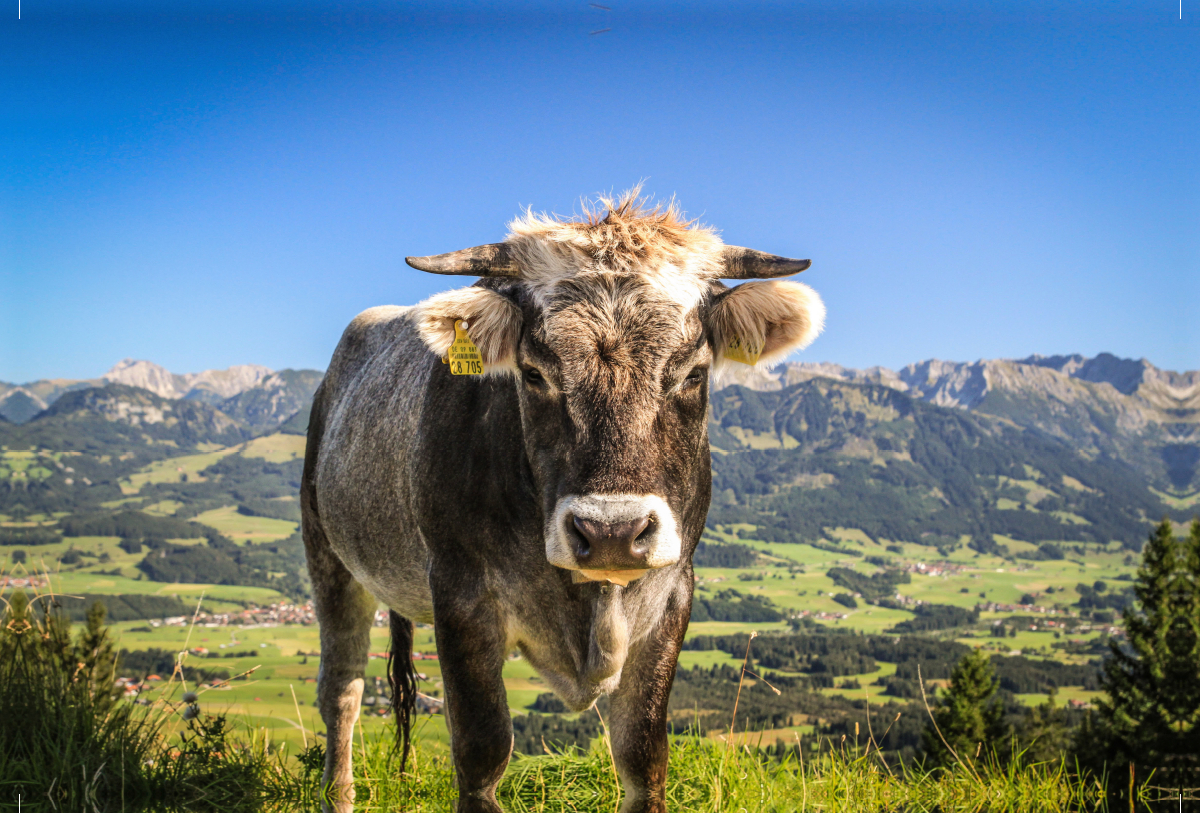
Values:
[(638, 722), (345, 612), (471, 642)]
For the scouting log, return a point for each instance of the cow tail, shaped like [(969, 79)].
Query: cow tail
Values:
[(402, 679)]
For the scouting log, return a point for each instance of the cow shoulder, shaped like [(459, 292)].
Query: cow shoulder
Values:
[(368, 334)]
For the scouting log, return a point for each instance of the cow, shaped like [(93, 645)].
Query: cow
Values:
[(524, 464)]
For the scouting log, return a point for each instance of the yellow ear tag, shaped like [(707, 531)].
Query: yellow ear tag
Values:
[(744, 352), (464, 356)]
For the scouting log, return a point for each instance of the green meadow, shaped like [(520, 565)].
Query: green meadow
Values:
[(270, 695), (284, 659)]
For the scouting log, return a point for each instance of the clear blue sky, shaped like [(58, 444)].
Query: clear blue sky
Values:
[(206, 184)]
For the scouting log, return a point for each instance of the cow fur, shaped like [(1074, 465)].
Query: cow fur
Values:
[(439, 495)]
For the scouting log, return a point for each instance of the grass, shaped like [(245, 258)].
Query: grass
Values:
[(76, 749), (275, 448), (707, 775), (241, 528), (172, 469), (68, 745)]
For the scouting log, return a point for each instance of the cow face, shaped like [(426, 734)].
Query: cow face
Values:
[(611, 329)]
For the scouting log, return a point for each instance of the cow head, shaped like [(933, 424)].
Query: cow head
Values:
[(610, 327)]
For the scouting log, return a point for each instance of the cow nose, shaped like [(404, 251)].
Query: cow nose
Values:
[(611, 545)]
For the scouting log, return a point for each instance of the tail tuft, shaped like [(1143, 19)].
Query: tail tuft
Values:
[(402, 679)]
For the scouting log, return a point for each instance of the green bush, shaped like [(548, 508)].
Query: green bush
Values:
[(67, 740)]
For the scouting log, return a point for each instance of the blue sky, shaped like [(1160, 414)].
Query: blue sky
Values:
[(206, 184)]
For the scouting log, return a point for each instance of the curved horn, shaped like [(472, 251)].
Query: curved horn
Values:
[(491, 260), (746, 263)]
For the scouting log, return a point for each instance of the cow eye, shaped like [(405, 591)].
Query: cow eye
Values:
[(532, 376), (693, 380)]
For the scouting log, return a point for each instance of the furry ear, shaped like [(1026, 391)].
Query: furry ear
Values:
[(778, 317), (493, 323)]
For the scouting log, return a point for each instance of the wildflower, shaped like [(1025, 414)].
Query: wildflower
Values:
[(191, 712), (190, 697)]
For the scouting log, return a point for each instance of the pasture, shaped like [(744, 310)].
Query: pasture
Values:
[(793, 577), (287, 659)]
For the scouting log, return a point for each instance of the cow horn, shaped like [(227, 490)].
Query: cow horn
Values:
[(746, 263), (491, 260)]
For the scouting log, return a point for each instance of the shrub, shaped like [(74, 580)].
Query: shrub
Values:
[(79, 748)]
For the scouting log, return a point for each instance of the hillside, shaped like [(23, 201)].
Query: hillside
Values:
[(255, 396), (1046, 449), (930, 510), (1104, 406), (826, 454)]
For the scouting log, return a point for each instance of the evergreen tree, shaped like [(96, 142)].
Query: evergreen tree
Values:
[(1044, 733), (97, 660), (968, 715), (1151, 716)]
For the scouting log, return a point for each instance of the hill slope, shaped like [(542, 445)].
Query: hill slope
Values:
[(255, 395), (824, 454), (1120, 408)]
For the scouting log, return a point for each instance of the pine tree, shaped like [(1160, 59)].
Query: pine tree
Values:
[(1043, 733), (968, 715), (96, 657), (1152, 714)]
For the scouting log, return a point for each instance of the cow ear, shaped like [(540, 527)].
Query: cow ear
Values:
[(777, 317), (493, 323)]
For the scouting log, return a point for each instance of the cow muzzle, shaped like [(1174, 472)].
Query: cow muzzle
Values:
[(612, 537)]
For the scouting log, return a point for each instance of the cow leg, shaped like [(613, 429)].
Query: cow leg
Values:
[(638, 723), (471, 641), (345, 612)]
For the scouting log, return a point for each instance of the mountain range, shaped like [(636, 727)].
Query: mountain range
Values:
[(254, 396), (1021, 455), (1103, 406)]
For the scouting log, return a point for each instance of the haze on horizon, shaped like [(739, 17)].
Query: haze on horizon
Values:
[(221, 184)]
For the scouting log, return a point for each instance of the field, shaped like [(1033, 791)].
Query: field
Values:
[(282, 660)]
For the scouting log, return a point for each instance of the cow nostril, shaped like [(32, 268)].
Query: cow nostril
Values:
[(585, 536), (640, 538)]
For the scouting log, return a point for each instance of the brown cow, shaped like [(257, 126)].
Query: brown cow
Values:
[(551, 501)]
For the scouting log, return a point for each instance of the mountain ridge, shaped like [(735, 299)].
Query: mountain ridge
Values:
[(1025, 456), (1106, 405), (252, 394)]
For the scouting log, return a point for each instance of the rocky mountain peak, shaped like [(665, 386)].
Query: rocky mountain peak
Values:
[(144, 374), (210, 386)]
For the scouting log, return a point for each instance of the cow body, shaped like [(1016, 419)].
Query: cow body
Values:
[(552, 508)]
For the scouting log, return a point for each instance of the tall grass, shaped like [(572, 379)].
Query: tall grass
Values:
[(707, 777), (737, 777), (67, 744)]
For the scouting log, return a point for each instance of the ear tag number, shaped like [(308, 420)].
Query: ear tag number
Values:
[(742, 351), (464, 357)]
